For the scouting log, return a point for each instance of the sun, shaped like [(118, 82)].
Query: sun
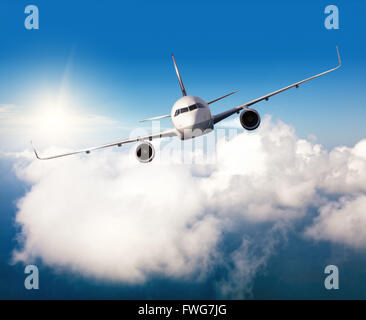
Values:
[(54, 116), (54, 119)]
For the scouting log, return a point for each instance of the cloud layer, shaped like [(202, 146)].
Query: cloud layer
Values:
[(110, 217)]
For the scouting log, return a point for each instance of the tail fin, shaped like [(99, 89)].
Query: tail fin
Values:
[(179, 77)]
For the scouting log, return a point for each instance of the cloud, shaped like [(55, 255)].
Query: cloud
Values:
[(114, 220), (343, 221), (6, 111), (345, 172), (247, 260), (108, 216)]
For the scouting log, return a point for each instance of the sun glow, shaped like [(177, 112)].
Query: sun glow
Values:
[(59, 120), (55, 116)]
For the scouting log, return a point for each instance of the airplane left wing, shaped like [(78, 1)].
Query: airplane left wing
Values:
[(228, 113), (162, 134)]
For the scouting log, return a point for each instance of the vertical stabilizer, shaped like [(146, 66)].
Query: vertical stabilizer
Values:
[(179, 77)]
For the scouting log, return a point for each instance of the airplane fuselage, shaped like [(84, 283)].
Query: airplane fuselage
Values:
[(191, 116)]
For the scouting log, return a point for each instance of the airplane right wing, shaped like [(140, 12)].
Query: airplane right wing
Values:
[(221, 116), (162, 134)]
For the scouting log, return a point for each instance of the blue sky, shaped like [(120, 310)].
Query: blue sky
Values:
[(117, 58), (113, 59)]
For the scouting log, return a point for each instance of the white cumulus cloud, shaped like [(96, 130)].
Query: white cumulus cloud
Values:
[(108, 216), (343, 221)]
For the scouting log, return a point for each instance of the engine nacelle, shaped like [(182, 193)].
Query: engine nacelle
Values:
[(250, 119), (145, 152)]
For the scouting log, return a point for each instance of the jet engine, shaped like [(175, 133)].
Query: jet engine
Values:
[(250, 119), (145, 152)]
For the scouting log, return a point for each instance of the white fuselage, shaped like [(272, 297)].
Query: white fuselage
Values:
[(191, 117)]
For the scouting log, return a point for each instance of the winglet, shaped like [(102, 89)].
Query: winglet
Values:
[(339, 58), (35, 151), (184, 92)]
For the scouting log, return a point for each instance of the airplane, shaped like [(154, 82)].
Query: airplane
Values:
[(191, 117)]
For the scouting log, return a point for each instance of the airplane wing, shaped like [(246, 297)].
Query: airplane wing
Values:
[(228, 113), (162, 134)]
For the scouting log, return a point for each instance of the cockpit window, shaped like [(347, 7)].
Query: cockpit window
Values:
[(190, 108)]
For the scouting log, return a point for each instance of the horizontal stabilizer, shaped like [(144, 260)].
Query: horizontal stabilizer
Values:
[(156, 118), (218, 99)]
